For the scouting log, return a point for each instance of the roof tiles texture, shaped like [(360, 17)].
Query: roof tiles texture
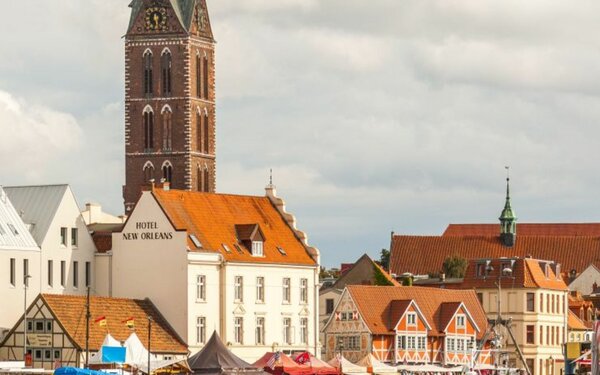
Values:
[(527, 229), (71, 310), (212, 218), (374, 304), (426, 254), (574, 323)]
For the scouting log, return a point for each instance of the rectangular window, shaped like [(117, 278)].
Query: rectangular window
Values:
[(56, 353), (547, 303), (460, 321), (451, 347), (48, 326), (530, 334), (548, 335), (74, 237), (238, 293), (421, 342), (530, 364), (460, 345), (287, 331), (260, 289), (50, 273), (304, 330), (411, 343), (37, 354), (531, 302), (205, 77), (75, 274), (411, 319), (63, 236), (200, 330), (286, 289), (260, 331), (238, 328), (201, 288), (47, 354), (12, 272), (26, 272), (303, 290), (39, 326), (63, 271), (328, 305), (401, 342), (257, 249), (88, 274)]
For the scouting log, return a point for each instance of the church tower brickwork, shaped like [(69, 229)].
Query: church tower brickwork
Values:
[(169, 97)]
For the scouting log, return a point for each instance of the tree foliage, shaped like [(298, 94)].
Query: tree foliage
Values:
[(455, 266), (384, 259)]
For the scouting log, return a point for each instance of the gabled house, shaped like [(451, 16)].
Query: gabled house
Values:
[(407, 325)]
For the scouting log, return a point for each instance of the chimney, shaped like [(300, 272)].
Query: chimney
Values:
[(166, 186)]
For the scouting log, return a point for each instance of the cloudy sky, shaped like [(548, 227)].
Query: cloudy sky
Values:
[(376, 116)]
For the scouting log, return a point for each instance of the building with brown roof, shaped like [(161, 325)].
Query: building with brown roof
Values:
[(407, 325), (233, 263), (56, 329)]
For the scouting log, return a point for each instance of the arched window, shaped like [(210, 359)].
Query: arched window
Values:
[(206, 180), (167, 170), (148, 72), (198, 75), (148, 171), (166, 72), (199, 181), (205, 76), (205, 133), (167, 128), (199, 130), (148, 128)]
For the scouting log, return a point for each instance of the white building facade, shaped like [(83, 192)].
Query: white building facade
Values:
[(230, 263)]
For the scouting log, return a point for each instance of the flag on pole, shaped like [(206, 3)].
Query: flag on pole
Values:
[(129, 322), (303, 358), (273, 360), (101, 321)]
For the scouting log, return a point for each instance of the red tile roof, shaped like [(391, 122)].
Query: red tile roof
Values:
[(70, 313), (527, 229), (574, 323), (526, 273), (213, 218), (426, 254), (447, 312), (375, 303)]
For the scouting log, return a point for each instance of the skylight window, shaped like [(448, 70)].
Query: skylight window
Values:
[(227, 249), (2, 231), (238, 248), (13, 229), (195, 240), (281, 251)]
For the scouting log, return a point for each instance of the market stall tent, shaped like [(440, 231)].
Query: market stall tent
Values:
[(375, 366), (216, 359), (279, 363), (317, 366), (346, 367)]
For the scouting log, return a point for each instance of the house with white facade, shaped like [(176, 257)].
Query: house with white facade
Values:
[(19, 257), (66, 258), (231, 263)]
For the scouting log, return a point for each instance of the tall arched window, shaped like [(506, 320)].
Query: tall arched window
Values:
[(167, 128), (148, 128), (148, 72), (205, 133), (198, 76), (205, 76), (206, 179), (167, 170), (148, 171), (166, 72), (199, 130), (199, 182)]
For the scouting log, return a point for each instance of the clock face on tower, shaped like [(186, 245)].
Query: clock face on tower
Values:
[(156, 19)]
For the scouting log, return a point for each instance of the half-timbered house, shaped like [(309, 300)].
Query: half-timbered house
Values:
[(407, 325), (56, 330)]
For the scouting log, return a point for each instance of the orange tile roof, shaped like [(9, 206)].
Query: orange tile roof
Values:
[(527, 229), (426, 254), (70, 313), (447, 311), (574, 323), (375, 302), (212, 218)]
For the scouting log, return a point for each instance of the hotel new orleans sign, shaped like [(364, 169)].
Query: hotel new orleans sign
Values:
[(147, 230)]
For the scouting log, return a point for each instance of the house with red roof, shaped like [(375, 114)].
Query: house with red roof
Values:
[(408, 325), (236, 264)]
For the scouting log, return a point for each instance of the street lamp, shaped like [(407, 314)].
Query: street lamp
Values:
[(25, 285)]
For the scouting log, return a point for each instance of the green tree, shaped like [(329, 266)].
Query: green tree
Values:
[(455, 266), (384, 259)]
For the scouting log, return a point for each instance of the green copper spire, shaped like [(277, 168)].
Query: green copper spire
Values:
[(508, 219)]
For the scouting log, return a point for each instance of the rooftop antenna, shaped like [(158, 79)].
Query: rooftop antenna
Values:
[(271, 176)]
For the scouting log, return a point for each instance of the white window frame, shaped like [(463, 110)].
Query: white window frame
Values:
[(304, 291), (200, 288), (287, 331), (286, 290), (75, 274), (422, 343), (64, 233), (411, 319), (74, 237), (238, 289), (411, 343), (13, 272), (238, 330), (260, 289), (260, 331), (201, 330), (304, 330), (258, 249), (50, 272)]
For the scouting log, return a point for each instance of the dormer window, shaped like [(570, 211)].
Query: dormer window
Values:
[(460, 321), (411, 319), (257, 249)]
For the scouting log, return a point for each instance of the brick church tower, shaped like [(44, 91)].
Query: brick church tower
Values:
[(169, 97)]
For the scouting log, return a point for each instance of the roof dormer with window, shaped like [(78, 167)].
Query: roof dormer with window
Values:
[(252, 238)]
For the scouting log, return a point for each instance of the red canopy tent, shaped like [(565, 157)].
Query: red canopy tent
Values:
[(281, 365), (317, 366)]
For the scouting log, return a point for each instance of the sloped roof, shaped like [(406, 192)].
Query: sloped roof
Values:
[(574, 323), (341, 282), (397, 308), (374, 302), (10, 239), (184, 9), (70, 312), (447, 312), (212, 218), (426, 254), (527, 229), (216, 358), (39, 205)]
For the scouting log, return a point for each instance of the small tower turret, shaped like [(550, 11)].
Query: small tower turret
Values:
[(508, 220)]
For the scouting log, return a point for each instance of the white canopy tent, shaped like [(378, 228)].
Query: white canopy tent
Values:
[(136, 353), (376, 366), (96, 358), (347, 367), (429, 368)]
